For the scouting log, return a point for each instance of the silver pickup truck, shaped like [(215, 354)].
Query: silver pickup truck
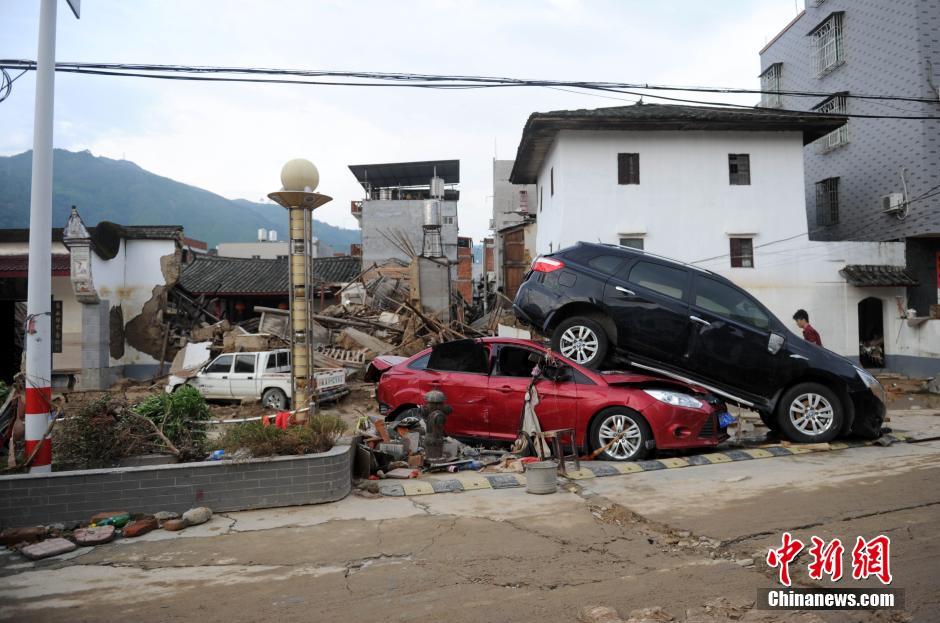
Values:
[(261, 375)]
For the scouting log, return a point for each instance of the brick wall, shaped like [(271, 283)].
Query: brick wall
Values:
[(465, 268), (27, 499)]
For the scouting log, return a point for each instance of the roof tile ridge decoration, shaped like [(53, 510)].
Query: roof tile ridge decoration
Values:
[(79, 241)]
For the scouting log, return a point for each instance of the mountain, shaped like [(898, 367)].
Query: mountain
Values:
[(120, 191)]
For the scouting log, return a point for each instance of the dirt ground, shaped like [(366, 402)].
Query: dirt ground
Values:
[(690, 541)]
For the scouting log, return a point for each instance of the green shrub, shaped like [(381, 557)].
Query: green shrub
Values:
[(181, 416), (318, 434)]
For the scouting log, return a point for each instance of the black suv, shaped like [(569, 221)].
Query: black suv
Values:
[(609, 304)]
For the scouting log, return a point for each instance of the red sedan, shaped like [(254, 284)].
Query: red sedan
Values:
[(485, 381)]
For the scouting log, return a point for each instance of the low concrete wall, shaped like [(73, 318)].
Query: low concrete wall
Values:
[(27, 499)]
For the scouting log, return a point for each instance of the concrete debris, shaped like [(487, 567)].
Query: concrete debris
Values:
[(196, 516), (88, 537), (47, 548), (352, 339)]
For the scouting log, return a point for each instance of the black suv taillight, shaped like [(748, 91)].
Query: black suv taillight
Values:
[(547, 264)]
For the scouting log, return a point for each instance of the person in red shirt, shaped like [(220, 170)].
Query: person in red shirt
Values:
[(809, 333)]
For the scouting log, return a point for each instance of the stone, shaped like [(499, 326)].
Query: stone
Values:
[(93, 536), (164, 516), (140, 527), (683, 534), (744, 562), (99, 517), (12, 536), (47, 548), (174, 524), (198, 515)]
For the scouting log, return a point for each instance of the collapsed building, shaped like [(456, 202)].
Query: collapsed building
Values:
[(109, 291)]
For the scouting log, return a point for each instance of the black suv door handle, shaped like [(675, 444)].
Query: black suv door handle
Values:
[(625, 291), (700, 321)]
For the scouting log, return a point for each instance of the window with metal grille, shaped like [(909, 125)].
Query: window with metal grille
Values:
[(742, 253), (770, 86), (827, 44), (835, 105), (827, 202), (632, 243), (739, 169), (628, 168)]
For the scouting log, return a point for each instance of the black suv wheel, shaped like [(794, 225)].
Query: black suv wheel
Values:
[(810, 413), (582, 340)]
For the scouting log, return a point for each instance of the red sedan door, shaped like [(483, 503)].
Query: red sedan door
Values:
[(461, 370), (558, 401)]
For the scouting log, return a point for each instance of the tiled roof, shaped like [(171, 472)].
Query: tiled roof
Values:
[(232, 275), (131, 232), (874, 275), (541, 128), (18, 265)]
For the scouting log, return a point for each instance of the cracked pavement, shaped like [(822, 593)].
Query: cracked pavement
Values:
[(670, 538)]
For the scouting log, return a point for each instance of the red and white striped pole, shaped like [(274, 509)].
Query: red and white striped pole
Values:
[(39, 288)]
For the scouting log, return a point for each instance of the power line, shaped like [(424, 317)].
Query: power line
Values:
[(434, 81)]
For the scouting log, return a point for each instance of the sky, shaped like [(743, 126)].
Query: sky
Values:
[(232, 139)]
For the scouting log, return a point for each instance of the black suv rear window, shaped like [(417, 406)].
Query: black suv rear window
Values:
[(673, 282), (607, 264)]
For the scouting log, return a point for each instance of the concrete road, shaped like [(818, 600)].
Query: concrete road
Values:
[(688, 540)]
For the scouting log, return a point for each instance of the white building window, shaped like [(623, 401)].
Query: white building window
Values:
[(827, 202), (631, 242), (827, 44), (835, 105), (770, 87), (742, 253)]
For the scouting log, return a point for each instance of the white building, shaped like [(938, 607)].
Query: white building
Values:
[(722, 189)]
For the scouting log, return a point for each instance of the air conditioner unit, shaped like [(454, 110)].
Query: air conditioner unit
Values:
[(893, 203)]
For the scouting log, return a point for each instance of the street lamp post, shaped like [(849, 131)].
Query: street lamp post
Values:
[(299, 179)]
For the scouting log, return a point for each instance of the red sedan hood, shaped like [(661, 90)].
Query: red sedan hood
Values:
[(635, 378)]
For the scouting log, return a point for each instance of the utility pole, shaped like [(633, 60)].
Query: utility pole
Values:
[(39, 287)]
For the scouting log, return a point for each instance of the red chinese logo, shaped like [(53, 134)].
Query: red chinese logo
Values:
[(869, 558), (872, 558), (783, 556), (827, 559)]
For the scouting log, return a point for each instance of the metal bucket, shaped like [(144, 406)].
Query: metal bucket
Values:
[(541, 477)]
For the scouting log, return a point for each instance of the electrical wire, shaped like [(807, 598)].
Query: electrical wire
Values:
[(435, 81)]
